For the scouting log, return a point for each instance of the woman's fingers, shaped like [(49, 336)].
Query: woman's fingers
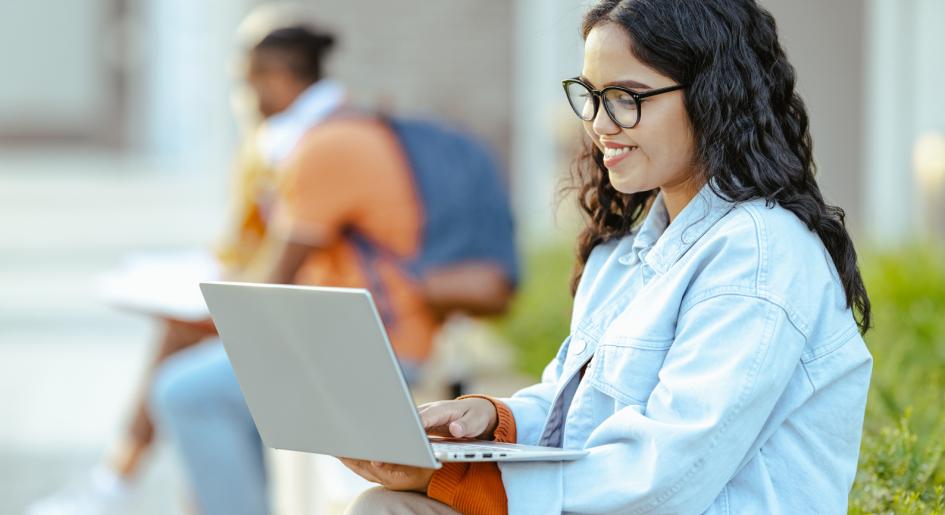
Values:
[(392, 476), (392, 471), (466, 418), (362, 468), (437, 416), (470, 425), (404, 477)]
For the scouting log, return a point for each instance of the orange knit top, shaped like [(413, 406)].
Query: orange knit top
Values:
[(476, 488)]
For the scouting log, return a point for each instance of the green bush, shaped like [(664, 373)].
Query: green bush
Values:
[(902, 468), (897, 475), (539, 319), (901, 463)]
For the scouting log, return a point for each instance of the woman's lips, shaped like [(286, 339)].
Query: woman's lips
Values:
[(614, 154)]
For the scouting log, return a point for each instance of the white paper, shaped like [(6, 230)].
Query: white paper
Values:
[(165, 284)]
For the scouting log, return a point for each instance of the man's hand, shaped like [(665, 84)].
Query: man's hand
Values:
[(393, 477)]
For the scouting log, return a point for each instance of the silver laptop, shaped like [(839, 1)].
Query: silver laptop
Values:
[(319, 375)]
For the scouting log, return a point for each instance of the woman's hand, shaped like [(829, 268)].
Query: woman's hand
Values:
[(390, 476), (465, 418)]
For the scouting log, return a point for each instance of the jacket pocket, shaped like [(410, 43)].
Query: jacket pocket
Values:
[(628, 369)]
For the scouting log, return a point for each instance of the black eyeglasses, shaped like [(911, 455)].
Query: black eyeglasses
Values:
[(621, 104)]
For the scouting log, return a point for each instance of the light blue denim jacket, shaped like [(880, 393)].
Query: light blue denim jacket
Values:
[(724, 374)]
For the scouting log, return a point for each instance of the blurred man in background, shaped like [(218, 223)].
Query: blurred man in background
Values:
[(315, 172)]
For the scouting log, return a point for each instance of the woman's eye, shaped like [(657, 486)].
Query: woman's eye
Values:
[(624, 102)]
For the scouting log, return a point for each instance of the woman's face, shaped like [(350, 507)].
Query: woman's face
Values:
[(658, 152)]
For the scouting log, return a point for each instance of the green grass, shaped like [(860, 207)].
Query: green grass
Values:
[(540, 317), (902, 461)]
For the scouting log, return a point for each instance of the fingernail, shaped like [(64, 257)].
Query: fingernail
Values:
[(456, 428)]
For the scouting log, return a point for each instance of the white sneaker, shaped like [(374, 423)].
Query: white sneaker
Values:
[(99, 493)]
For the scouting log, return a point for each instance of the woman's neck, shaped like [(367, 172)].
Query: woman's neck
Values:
[(677, 197)]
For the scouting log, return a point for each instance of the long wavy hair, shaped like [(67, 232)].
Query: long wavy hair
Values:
[(750, 125)]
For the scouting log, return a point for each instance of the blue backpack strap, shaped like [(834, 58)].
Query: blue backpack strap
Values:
[(368, 253)]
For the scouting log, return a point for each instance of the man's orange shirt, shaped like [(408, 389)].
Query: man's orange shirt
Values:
[(352, 173)]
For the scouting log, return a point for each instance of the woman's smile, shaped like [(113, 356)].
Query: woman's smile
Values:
[(615, 153)]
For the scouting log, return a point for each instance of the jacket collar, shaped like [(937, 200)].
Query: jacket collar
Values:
[(660, 244)]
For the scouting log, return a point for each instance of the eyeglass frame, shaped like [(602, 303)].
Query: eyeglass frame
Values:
[(598, 95)]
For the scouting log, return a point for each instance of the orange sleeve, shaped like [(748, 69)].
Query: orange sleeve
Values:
[(321, 188), (476, 488)]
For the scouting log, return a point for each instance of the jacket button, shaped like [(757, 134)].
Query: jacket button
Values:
[(578, 346)]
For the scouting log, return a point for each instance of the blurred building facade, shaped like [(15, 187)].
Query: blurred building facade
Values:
[(154, 77)]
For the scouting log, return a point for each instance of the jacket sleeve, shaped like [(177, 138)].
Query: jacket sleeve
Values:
[(731, 359)]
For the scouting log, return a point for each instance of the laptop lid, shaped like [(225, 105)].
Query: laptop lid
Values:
[(317, 371)]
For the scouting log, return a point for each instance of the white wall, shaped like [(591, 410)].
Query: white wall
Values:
[(54, 72), (905, 82), (548, 49), (183, 79)]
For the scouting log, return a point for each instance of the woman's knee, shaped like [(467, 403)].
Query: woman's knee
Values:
[(373, 501), (381, 501)]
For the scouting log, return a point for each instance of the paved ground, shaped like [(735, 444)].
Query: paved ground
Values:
[(68, 364)]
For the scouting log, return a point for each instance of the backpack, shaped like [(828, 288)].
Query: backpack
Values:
[(466, 218)]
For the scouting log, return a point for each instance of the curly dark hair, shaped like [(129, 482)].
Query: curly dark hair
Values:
[(750, 125)]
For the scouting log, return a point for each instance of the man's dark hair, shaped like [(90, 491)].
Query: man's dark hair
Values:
[(302, 49)]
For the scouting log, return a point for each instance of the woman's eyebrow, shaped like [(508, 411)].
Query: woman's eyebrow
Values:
[(632, 84)]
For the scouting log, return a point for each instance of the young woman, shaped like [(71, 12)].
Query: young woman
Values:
[(715, 362)]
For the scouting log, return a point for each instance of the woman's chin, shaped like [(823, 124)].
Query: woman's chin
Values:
[(626, 182)]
